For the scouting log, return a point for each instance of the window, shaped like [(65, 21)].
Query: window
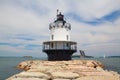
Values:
[(51, 45), (67, 37), (67, 44), (52, 37)]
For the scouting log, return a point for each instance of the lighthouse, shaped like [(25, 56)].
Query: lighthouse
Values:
[(59, 47)]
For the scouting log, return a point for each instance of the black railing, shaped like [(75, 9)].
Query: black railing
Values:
[(48, 47)]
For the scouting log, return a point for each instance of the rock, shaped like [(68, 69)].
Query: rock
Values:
[(99, 64), (98, 78), (26, 79), (61, 79), (65, 75), (30, 75), (94, 64), (63, 70), (91, 64), (22, 65), (99, 69)]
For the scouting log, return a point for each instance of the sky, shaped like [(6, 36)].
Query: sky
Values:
[(24, 25)]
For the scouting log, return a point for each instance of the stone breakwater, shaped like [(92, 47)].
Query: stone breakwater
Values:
[(63, 70)]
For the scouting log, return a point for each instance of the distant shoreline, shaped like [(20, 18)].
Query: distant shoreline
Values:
[(111, 57), (73, 56), (78, 56)]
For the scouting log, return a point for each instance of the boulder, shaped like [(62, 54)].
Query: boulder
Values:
[(99, 68), (91, 64), (94, 64), (98, 78), (22, 65), (65, 75)]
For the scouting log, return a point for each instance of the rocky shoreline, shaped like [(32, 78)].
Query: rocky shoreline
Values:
[(63, 70)]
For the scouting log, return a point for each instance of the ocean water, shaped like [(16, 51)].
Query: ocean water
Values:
[(8, 65)]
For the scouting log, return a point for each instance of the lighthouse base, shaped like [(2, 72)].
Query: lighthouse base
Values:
[(59, 55)]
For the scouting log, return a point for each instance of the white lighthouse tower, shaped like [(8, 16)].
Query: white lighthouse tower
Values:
[(59, 47)]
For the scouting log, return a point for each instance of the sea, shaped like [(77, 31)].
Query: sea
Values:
[(8, 64)]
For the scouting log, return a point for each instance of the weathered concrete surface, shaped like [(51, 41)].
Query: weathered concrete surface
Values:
[(63, 70)]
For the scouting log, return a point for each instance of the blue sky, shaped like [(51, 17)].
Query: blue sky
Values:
[(24, 25)]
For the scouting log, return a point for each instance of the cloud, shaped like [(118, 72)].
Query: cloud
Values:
[(93, 9), (24, 24), (99, 39), (20, 20), (12, 51)]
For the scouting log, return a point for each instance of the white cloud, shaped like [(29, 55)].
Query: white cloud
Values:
[(17, 19), (98, 39), (91, 9)]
